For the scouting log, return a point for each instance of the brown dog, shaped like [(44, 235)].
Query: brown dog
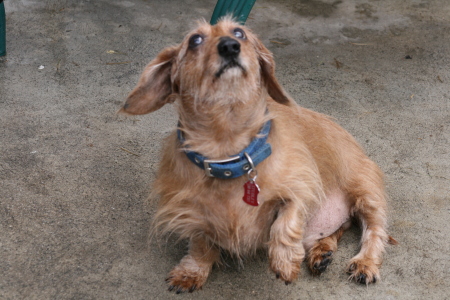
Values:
[(312, 175)]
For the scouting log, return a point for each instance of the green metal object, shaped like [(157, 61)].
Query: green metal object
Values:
[(240, 9), (2, 29)]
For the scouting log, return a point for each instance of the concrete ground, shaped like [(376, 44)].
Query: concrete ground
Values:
[(74, 176)]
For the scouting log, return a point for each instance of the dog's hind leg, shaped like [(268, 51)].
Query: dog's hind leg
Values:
[(369, 209), (193, 270), (321, 254)]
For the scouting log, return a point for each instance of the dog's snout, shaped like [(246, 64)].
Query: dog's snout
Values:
[(228, 47)]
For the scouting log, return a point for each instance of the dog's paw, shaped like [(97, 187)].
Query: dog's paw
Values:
[(319, 260), (180, 283), (184, 279), (286, 271), (363, 271), (285, 261)]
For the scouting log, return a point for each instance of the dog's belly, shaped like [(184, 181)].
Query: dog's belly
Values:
[(333, 213), (252, 230)]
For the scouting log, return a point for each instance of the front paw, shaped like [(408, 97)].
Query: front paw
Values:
[(286, 264), (188, 276), (288, 273), (285, 261)]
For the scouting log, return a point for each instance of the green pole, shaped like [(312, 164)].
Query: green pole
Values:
[(240, 9), (2, 29)]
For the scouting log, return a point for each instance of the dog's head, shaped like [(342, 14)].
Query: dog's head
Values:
[(225, 62)]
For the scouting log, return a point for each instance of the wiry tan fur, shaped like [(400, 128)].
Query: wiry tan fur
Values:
[(313, 160)]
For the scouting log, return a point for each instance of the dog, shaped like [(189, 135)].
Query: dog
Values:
[(247, 168)]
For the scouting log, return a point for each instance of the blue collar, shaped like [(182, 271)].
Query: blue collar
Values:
[(237, 165)]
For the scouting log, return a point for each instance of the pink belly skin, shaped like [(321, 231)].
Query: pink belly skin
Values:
[(333, 213)]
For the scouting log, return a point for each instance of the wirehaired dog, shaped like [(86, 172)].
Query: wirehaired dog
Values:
[(248, 168)]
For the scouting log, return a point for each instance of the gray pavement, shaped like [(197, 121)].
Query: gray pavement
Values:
[(74, 176)]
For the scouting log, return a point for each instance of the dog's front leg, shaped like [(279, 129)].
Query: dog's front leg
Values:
[(193, 270), (286, 251)]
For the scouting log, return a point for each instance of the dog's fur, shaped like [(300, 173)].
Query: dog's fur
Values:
[(315, 180)]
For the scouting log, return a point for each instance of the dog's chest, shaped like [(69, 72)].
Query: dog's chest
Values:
[(235, 225)]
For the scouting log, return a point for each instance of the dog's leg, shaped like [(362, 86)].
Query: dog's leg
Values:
[(321, 254), (370, 210), (286, 251), (193, 270)]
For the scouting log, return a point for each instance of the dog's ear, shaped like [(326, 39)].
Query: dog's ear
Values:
[(267, 65), (154, 86)]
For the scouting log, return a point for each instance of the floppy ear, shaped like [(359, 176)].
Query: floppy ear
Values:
[(154, 86), (267, 65)]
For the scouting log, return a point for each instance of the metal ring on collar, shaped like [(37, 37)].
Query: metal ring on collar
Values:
[(252, 167)]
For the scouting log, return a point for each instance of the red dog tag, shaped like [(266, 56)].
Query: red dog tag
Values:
[(251, 191)]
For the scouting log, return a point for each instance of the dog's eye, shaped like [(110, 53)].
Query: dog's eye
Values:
[(195, 40), (239, 33)]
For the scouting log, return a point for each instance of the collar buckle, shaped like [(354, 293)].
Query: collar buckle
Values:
[(207, 162)]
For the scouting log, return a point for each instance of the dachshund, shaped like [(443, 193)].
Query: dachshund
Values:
[(247, 168)]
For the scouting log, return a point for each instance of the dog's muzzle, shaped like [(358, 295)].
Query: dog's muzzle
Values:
[(229, 50)]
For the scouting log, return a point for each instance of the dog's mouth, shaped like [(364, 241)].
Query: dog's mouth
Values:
[(229, 64)]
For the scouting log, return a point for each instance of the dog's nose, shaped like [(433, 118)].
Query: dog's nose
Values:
[(228, 47)]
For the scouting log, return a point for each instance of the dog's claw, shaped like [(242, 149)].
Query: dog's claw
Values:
[(323, 265), (361, 278), (287, 282), (192, 288), (277, 275), (351, 268), (329, 253), (179, 291), (171, 288)]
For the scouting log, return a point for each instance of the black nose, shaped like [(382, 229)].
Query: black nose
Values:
[(228, 47)]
